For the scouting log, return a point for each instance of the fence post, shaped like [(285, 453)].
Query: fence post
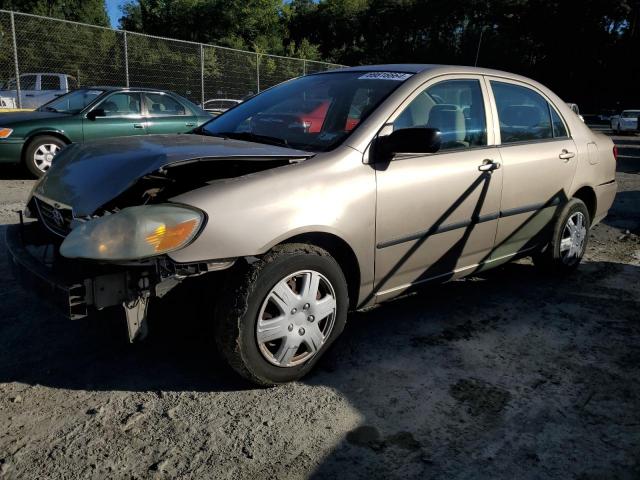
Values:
[(304, 66), (15, 60), (202, 74), (258, 70), (126, 59)]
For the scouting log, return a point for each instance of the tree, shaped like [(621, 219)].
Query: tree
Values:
[(93, 12)]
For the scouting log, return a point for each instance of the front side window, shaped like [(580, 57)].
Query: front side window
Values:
[(159, 105), (28, 82), (121, 104), (455, 107), (49, 82), (315, 113), (72, 102), (524, 115)]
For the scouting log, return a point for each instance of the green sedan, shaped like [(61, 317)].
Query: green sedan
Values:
[(88, 114)]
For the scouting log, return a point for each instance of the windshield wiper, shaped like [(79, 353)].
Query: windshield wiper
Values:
[(253, 137)]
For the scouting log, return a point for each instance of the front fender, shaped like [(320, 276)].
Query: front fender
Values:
[(330, 193)]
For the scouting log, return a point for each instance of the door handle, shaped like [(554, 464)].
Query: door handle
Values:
[(488, 165), (138, 125), (566, 154)]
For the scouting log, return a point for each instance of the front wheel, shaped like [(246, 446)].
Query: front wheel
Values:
[(279, 314), (40, 152), (569, 239)]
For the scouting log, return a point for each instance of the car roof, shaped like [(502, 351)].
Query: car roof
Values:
[(124, 89), (432, 68)]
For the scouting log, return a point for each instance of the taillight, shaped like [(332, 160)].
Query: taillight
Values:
[(615, 152)]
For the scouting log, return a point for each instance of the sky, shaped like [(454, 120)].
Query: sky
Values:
[(113, 9)]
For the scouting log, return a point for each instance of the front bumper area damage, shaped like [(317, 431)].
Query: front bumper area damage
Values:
[(77, 287)]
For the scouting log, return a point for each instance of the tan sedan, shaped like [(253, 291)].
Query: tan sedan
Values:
[(326, 193)]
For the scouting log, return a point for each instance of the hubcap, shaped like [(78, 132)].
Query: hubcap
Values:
[(296, 318), (573, 238), (44, 155)]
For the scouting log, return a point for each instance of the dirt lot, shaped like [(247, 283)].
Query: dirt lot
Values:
[(508, 375)]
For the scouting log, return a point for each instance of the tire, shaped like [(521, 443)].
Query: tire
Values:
[(254, 297), (40, 152), (554, 257)]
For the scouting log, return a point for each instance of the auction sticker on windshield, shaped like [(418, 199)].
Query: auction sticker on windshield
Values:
[(397, 76)]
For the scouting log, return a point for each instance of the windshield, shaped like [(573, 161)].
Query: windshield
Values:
[(73, 102), (313, 113)]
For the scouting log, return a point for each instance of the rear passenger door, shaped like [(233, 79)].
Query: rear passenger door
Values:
[(539, 160), (165, 114)]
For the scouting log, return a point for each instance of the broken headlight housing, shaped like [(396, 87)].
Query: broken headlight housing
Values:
[(134, 233)]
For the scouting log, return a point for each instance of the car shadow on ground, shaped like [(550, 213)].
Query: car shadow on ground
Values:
[(14, 172)]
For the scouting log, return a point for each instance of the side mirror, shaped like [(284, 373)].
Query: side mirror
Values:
[(410, 140), (98, 112)]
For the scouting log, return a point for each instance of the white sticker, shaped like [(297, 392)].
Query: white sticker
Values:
[(398, 77)]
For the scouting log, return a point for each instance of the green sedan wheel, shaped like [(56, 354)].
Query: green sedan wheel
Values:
[(40, 152)]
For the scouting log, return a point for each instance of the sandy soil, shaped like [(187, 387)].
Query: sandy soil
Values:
[(509, 375)]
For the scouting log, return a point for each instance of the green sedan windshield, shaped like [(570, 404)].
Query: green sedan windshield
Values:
[(72, 102)]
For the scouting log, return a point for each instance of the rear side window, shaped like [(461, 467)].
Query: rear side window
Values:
[(524, 115), (159, 105), (49, 82)]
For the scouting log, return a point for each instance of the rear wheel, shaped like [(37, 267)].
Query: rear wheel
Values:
[(40, 152), (569, 239), (279, 314)]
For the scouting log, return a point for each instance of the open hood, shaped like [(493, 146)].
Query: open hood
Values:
[(87, 176)]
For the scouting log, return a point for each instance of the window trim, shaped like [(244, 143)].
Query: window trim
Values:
[(488, 113), (494, 106)]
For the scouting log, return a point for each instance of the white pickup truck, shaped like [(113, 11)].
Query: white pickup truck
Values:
[(36, 89)]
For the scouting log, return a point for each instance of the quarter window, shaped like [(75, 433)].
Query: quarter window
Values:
[(162, 105), (559, 130), (525, 115), (455, 107)]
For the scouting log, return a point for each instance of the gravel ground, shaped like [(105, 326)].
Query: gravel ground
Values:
[(508, 375)]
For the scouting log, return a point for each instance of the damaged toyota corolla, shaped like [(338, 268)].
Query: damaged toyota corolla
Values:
[(324, 194)]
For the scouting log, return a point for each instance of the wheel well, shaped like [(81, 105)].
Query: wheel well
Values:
[(588, 196), (43, 134), (342, 253)]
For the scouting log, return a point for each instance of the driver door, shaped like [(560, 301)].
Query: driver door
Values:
[(437, 214), (122, 117)]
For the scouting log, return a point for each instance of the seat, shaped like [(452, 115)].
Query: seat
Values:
[(110, 107), (449, 119), (134, 106)]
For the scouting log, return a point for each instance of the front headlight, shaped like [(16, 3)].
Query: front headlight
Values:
[(5, 132), (134, 233)]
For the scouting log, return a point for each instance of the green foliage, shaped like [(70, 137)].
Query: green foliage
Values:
[(85, 11)]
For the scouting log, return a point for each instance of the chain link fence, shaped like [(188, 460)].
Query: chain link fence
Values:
[(32, 46)]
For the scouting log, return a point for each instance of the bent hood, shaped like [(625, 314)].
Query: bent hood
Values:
[(86, 176)]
